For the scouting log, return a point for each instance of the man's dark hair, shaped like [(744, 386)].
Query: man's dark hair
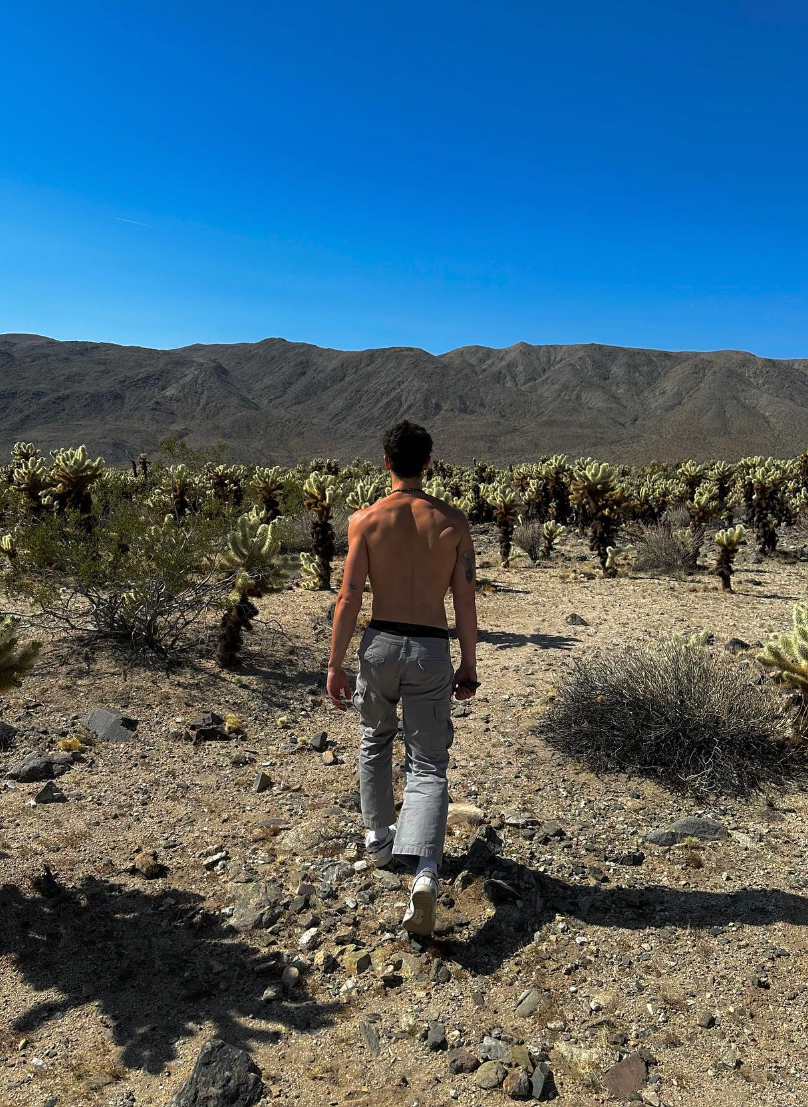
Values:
[(408, 446)]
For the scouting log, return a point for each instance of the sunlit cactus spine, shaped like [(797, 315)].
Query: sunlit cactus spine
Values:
[(504, 501), (728, 542), (15, 659), (225, 483), (722, 477), (71, 477), (8, 546), (551, 532), (320, 495), (596, 492), (266, 486), (181, 490), (252, 553), (691, 474)]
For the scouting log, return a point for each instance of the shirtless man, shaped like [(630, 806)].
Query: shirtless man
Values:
[(414, 548)]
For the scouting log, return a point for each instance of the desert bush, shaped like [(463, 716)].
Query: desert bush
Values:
[(674, 712), (661, 548), (528, 537)]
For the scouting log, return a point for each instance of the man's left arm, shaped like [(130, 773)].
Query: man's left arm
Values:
[(346, 612)]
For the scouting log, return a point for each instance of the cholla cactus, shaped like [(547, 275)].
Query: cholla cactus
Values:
[(551, 533), (8, 546), (252, 552), (363, 494), (722, 476), (267, 485), (786, 657), (506, 509), (691, 475), (71, 476), (728, 542), (225, 483), (15, 659), (767, 506), (600, 498), (320, 495), (30, 476), (183, 495)]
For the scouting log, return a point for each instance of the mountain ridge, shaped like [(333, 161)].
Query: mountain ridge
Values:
[(278, 401)]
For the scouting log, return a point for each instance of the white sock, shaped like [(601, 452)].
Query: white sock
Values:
[(424, 864), (378, 834)]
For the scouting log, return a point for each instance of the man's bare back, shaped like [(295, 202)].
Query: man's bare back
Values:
[(412, 544)]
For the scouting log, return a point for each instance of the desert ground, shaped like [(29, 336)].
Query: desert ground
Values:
[(177, 894)]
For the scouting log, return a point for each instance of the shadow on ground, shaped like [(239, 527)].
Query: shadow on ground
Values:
[(506, 639), (541, 897), (156, 964)]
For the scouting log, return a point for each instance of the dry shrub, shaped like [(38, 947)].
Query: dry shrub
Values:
[(675, 713), (667, 549), (528, 537), (296, 531)]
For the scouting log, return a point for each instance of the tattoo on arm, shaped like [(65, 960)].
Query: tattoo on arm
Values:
[(353, 587), (468, 561)]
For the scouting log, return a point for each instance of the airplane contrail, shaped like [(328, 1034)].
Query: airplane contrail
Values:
[(121, 219)]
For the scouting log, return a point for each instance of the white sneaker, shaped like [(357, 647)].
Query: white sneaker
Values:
[(420, 915), (381, 853)]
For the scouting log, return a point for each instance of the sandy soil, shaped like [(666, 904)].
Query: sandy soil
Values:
[(111, 981)]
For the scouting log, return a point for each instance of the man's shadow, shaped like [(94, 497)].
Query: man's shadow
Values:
[(155, 963), (524, 901)]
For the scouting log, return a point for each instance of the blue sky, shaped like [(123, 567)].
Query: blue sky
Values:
[(428, 174)]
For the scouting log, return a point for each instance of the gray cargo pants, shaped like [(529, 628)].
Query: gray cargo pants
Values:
[(418, 671)]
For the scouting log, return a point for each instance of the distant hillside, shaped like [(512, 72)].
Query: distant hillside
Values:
[(280, 401)]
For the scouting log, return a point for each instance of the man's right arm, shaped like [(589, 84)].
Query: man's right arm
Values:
[(464, 599)]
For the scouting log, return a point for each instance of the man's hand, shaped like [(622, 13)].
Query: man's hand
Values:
[(338, 687), (463, 674)]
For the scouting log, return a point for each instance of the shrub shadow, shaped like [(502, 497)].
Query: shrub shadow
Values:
[(541, 897), (506, 639), (155, 963)]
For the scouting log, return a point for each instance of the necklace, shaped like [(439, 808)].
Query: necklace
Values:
[(408, 491)]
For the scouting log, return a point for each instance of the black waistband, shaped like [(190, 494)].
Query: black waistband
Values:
[(409, 630)]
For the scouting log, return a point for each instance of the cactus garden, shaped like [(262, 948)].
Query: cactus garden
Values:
[(180, 839)]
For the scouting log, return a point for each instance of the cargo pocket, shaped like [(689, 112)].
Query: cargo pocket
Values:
[(442, 726)]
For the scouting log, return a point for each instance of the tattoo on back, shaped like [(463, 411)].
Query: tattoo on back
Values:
[(468, 560)]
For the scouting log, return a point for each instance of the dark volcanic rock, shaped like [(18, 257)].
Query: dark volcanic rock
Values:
[(706, 830), (109, 725), (626, 1077), (223, 1076)]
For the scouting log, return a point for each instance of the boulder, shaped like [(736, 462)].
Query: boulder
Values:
[(257, 905), (223, 1076), (706, 830), (625, 1079), (109, 725)]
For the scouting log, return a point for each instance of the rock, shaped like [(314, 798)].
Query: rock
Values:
[(632, 857), (705, 1019), (528, 1003), (490, 1075), (309, 835), (736, 645), (499, 891), (309, 938), (355, 960), (330, 758), (7, 735), (391, 881), (517, 1085), (462, 1060), (729, 1061), (318, 742), (440, 973), (519, 1055), (290, 978), (576, 620), (147, 865), (273, 992), (540, 1080), (51, 793), (31, 769), (109, 725), (550, 830), (257, 905), (261, 782), (706, 830), (207, 728), (463, 814), (222, 1075), (436, 1036), (626, 1077), (369, 1033), (411, 966), (492, 1049)]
